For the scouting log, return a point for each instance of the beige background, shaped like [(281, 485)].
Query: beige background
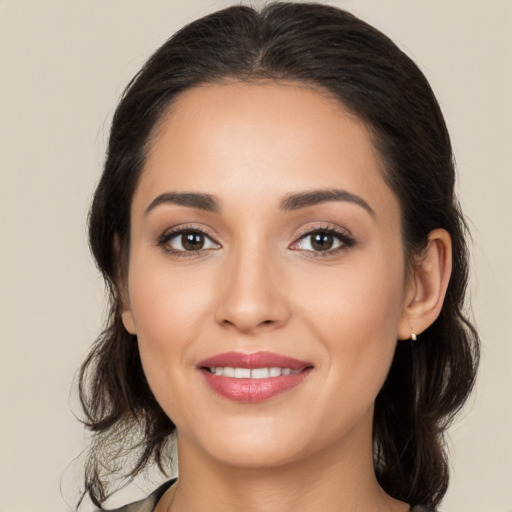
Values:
[(63, 65)]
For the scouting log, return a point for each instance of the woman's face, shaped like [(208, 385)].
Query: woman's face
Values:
[(286, 244)]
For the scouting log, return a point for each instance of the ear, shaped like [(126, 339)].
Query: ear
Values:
[(127, 318), (427, 286), (123, 296)]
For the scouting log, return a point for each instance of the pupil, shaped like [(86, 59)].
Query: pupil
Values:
[(322, 241), (193, 241)]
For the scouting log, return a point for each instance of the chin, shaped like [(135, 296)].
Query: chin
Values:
[(252, 442), (247, 454), (248, 443)]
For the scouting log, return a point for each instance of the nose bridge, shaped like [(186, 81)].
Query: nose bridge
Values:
[(252, 296)]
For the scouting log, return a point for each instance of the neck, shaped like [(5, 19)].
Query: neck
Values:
[(336, 479)]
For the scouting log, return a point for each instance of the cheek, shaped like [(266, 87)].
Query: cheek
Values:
[(355, 314), (167, 304), (167, 307), (355, 298)]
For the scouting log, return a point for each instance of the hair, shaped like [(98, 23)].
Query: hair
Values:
[(323, 47)]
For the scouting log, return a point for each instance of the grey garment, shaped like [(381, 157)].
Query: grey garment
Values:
[(148, 504)]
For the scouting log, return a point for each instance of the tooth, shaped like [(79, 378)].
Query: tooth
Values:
[(242, 373), (275, 371), (228, 371), (255, 373), (260, 373)]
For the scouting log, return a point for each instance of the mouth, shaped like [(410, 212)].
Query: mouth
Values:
[(253, 377), (248, 373)]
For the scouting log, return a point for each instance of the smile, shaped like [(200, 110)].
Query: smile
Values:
[(255, 373), (253, 377)]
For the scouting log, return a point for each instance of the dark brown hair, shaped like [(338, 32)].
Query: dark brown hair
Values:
[(324, 47)]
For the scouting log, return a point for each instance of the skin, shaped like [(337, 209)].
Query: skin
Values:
[(258, 285)]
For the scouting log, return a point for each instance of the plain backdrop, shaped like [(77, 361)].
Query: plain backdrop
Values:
[(63, 66)]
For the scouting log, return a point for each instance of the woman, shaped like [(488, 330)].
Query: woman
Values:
[(277, 226)]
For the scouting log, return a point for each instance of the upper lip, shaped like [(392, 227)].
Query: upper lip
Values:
[(253, 360)]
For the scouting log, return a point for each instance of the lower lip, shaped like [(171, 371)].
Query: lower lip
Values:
[(253, 390)]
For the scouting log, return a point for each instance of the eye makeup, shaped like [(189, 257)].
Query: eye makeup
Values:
[(194, 241)]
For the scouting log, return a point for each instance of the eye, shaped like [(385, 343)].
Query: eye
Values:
[(186, 240), (323, 240)]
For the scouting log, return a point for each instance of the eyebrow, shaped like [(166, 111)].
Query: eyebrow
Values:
[(291, 202), (193, 199), (313, 197)]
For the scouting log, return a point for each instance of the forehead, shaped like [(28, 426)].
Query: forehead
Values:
[(257, 141)]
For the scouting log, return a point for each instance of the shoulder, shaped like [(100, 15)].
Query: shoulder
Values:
[(147, 504)]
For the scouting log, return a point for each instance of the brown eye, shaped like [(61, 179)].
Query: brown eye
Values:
[(322, 241), (187, 240), (192, 241)]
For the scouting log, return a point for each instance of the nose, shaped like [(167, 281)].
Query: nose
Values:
[(253, 293)]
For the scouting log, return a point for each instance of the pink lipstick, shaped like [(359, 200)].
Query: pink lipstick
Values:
[(253, 377)]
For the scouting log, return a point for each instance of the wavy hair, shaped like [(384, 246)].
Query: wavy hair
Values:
[(320, 46)]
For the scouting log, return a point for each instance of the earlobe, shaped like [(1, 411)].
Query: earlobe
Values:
[(127, 318), (125, 310), (122, 291), (428, 284)]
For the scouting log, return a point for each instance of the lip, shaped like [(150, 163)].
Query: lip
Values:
[(250, 390), (254, 360)]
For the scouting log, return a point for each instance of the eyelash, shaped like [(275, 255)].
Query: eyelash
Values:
[(346, 240), (164, 239)]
